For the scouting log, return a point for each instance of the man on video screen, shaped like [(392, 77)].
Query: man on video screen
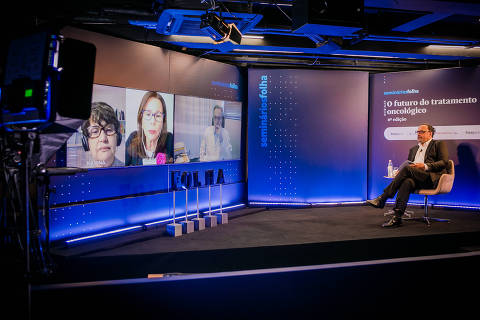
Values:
[(216, 140)]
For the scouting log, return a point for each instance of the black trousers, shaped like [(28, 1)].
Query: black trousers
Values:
[(406, 182)]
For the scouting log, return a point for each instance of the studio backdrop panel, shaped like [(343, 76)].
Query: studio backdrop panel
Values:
[(448, 99), (307, 136)]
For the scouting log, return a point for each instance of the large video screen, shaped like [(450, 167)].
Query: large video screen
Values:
[(149, 128), (131, 127), (206, 129), (126, 127), (99, 141)]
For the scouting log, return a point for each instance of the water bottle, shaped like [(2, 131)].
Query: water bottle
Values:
[(390, 168)]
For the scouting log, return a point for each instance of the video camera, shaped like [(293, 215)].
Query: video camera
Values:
[(46, 74), (47, 85)]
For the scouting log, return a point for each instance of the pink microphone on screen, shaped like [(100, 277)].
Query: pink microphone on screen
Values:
[(161, 158)]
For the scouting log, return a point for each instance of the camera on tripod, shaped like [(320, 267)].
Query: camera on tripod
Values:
[(47, 84)]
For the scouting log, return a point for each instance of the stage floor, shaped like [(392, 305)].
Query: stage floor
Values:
[(257, 238)]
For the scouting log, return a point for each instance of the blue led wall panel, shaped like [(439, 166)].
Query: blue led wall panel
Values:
[(307, 135), (233, 170), (91, 218), (105, 183), (108, 198), (448, 99)]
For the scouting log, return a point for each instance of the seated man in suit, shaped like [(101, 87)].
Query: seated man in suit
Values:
[(430, 160)]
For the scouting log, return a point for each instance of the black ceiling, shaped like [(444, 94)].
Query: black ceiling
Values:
[(369, 35)]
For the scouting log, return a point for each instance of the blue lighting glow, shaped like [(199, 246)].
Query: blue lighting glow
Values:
[(287, 162), (225, 208), (421, 204), (455, 206), (409, 203), (159, 222), (292, 204), (253, 203), (180, 21), (304, 204), (98, 235)]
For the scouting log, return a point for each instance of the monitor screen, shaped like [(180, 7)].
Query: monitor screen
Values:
[(206, 129), (149, 128), (127, 127), (131, 127)]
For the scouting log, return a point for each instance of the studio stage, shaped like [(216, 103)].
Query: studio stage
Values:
[(328, 262), (258, 238)]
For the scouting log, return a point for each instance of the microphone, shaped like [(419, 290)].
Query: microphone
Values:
[(161, 158)]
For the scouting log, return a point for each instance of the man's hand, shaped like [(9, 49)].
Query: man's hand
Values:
[(418, 165)]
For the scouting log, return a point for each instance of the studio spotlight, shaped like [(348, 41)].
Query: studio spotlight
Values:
[(218, 29)]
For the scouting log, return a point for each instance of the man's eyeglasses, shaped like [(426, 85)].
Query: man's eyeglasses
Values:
[(94, 131), (147, 115), (421, 131)]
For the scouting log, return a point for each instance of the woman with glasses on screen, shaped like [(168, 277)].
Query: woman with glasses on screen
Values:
[(101, 136), (151, 143)]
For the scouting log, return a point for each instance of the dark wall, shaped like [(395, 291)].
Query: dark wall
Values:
[(136, 65), (310, 292)]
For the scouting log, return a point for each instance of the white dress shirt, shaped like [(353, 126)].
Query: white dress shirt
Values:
[(215, 146), (420, 155)]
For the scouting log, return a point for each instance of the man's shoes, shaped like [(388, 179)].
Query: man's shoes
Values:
[(395, 222), (378, 202)]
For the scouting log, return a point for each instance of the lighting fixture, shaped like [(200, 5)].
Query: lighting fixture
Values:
[(252, 36), (218, 29)]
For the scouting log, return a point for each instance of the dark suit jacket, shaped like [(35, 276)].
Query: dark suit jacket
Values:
[(436, 158)]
